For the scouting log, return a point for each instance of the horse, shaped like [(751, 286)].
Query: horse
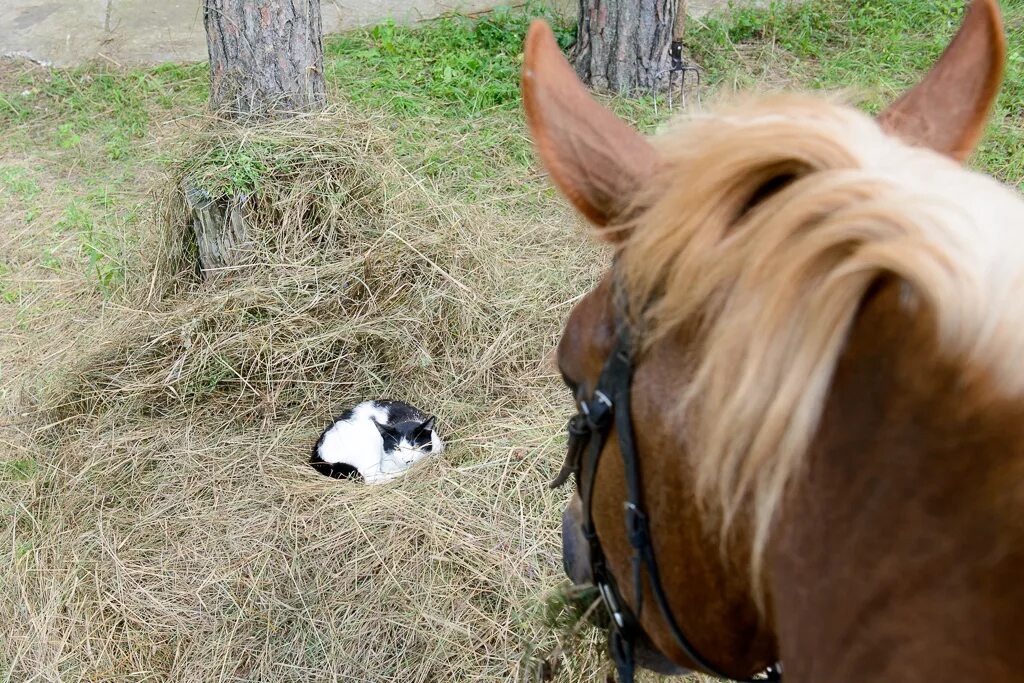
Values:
[(799, 445)]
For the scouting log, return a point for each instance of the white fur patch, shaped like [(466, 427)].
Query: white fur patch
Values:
[(356, 441)]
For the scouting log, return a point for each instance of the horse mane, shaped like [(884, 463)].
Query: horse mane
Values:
[(764, 230)]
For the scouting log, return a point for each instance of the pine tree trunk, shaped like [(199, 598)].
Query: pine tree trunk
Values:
[(623, 45), (266, 61), (266, 56)]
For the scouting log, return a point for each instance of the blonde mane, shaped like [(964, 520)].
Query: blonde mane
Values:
[(775, 283)]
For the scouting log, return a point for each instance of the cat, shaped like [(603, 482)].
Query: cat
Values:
[(375, 442)]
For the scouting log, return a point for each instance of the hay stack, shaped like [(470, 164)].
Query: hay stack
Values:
[(171, 529)]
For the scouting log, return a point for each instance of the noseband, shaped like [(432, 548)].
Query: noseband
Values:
[(609, 406)]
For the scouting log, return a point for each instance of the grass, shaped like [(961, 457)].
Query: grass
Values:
[(408, 246), (362, 282), (874, 49), (78, 145), (452, 88), (18, 183), (112, 107), (453, 80)]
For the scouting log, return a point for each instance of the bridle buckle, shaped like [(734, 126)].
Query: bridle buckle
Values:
[(637, 527), (597, 410), (612, 604), (589, 430)]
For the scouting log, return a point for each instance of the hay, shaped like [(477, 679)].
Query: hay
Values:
[(171, 530)]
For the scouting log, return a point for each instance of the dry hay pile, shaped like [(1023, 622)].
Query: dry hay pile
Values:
[(171, 529)]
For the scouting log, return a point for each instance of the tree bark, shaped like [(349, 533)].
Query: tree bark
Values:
[(266, 56), (623, 45), (266, 61), (219, 228)]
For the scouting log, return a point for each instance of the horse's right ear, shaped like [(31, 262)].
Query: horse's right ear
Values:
[(947, 110), (596, 160)]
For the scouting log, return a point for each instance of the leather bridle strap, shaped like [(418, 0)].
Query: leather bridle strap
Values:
[(588, 432)]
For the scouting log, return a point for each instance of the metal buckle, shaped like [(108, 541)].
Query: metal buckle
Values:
[(597, 409), (612, 605), (636, 526)]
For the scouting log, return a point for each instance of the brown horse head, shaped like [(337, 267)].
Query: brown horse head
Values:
[(827, 407)]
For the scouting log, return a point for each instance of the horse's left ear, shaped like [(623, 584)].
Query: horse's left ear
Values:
[(595, 159), (947, 110)]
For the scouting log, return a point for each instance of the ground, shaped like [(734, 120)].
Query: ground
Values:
[(69, 32), (86, 157), (130, 32)]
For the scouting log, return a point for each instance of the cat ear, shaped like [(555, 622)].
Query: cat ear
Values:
[(383, 429), (428, 424)]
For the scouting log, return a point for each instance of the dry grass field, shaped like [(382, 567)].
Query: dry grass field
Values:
[(160, 522)]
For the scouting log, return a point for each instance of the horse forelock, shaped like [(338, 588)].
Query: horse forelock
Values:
[(767, 227)]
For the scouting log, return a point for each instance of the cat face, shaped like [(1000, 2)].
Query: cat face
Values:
[(407, 442)]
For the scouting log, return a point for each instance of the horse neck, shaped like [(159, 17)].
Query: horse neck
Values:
[(901, 550)]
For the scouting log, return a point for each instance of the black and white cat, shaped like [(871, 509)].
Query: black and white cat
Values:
[(375, 441)]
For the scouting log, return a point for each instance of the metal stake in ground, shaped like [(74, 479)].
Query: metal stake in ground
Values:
[(676, 63)]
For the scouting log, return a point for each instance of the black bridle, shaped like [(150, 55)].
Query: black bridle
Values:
[(606, 407)]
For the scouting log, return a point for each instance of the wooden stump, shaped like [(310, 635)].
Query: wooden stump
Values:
[(219, 228)]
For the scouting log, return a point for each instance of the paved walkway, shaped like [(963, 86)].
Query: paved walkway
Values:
[(65, 32)]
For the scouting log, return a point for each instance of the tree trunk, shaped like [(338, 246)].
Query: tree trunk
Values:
[(266, 61), (266, 56), (623, 45)]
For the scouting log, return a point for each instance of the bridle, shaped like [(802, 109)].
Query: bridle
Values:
[(608, 406)]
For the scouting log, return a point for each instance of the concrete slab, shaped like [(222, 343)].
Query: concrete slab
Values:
[(66, 32), (701, 8)]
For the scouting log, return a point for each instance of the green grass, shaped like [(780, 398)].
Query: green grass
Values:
[(450, 90), (100, 243), (238, 171), (454, 67), (82, 136), (21, 469), (874, 48), (451, 87), (18, 183), (108, 107)]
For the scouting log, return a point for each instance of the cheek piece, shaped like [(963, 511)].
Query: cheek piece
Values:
[(589, 430)]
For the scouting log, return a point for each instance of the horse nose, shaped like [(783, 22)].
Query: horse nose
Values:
[(575, 551)]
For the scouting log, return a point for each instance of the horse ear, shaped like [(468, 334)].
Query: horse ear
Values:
[(947, 110), (595, 159)]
